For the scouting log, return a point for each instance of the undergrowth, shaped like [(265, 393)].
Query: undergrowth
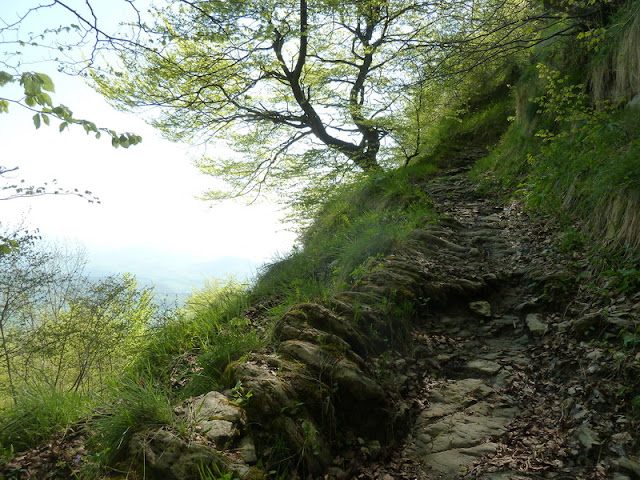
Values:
[(39, 412)]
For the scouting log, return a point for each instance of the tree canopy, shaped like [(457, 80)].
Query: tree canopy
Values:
[(279, 82), (302, 91), (298, 87)]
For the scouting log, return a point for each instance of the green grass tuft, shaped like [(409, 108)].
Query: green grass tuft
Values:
[(134, 406), (39, 412)]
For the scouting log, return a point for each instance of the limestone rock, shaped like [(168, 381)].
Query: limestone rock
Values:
[(338, 330), (270, 393), (221, 421), (247, 450), (172, 458), (482, 367)]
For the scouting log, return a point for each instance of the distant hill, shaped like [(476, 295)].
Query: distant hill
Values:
[(173, 276)]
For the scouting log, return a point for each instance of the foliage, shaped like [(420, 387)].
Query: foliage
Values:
[(206, 473), (572, 149), (360, 221), (298, 89), (190, 349), (134, 406), (59, 328), (40, 411), (36, 97)]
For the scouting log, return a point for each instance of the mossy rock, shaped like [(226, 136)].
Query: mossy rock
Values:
[(323, 319), (167, 456)]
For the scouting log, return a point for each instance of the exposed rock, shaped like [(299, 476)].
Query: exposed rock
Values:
[(247, 450), (482, 308), (344, 374), (324, 320), (587, 323), (536, 326), (430, 239), (482, 367), (219, 420), (270, 394), (171, 457)]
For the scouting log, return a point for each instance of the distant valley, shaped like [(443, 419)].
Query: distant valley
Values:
[(174, 277)]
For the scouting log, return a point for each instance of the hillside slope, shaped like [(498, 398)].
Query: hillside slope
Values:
[(472, 348)]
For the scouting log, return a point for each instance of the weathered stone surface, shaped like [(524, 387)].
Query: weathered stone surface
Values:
[(324, 320), (535, 324), (172, 458), (344, 373), (429, 238), (581, 326), (219, 420), (482, 367), (362, 388), (303, 436), (453, 431), (482, 308), (247, 450), (311, 355), (270, 394)]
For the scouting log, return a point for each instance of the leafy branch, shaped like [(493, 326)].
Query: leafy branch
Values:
[(36, 88)]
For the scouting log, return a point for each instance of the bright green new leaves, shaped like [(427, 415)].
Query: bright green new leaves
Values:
[(298, 89), (35, 87)]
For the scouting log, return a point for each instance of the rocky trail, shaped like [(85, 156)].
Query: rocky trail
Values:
[(502, 385)]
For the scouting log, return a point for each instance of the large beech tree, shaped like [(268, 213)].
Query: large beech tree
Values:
[(276, 80), (302, 86)]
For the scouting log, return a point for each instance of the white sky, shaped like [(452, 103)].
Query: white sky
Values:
[(147, 192)]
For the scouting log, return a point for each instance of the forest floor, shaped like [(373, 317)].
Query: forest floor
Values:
[(529, 382)]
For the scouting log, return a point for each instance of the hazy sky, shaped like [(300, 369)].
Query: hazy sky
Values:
[(147, 192)]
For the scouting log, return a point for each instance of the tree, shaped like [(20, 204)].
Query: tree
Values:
[(301, 87), (275, 80), (24, 279), (60, 328)]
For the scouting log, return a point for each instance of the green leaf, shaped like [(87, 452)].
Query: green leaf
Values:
[(4, 106), (31, 101), (115, 142), (63, 125), (31, 83), (45, 118), (5, 78), (44, 99), (47, 83), (36, 120)]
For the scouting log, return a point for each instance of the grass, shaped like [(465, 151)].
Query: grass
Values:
[(134, 406), (362, 220), (583, 169), (193, 345), (40, 411)]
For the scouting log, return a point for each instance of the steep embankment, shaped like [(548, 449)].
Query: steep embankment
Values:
[(462, 352)]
